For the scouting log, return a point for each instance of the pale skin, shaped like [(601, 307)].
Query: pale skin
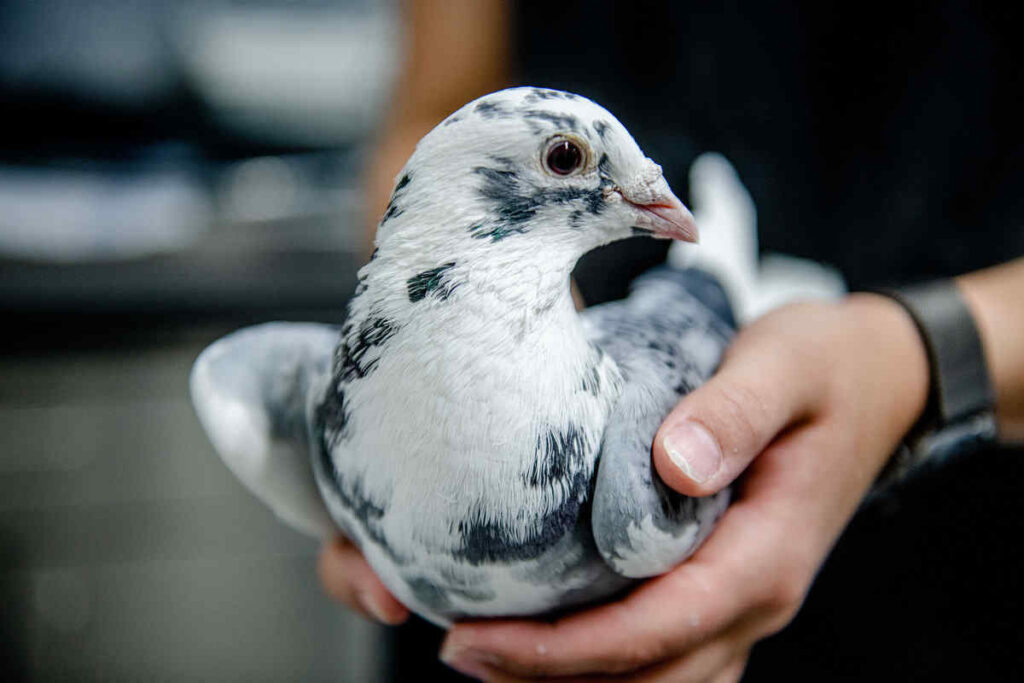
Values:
[(809, 403)]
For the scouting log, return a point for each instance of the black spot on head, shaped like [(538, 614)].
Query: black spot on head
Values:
[(515, 202), (604, 171), (511, 203), (594, 200), (511, 199), (537, 94), (508, 164), (452, 119), (576, 218), (492, 110), (600, 127), (560, 121), (432, 282), (351, 359)]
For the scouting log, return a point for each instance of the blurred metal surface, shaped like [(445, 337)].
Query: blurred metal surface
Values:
[(129, 552), (251, 276)]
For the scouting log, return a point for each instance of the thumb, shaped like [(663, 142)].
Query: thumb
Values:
[(714, 432)]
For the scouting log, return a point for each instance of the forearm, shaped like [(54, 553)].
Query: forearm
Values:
[(996, 297)]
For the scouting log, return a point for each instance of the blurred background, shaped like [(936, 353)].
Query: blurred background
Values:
[(170, 171)]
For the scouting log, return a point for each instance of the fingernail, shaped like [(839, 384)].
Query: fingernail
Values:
[(467, 661), (692, 449), (371, 606)]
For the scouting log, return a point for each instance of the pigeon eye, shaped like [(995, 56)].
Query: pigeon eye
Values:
[(564, 157)]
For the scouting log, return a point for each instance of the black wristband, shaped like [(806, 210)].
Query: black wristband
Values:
[(959, 416)]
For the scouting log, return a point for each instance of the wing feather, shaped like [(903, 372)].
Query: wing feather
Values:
[(667, 338), (252, 391)]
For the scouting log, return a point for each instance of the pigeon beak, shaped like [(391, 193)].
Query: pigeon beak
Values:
[(667, 217), (656, 209)]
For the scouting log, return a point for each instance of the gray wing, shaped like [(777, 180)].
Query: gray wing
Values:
[(667, 338), (253, 391)]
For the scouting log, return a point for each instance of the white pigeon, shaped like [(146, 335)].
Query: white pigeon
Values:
[(486, 446)]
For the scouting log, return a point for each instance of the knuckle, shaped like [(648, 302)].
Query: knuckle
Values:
[(782, 601), (743, 415), (789, 595)]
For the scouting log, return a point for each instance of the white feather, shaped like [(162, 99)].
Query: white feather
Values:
[(727, 217), (234, 415)]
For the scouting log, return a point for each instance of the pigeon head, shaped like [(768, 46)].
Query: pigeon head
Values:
[(534, 170)]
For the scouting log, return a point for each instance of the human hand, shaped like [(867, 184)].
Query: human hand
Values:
[(348, 578), (824, 393)]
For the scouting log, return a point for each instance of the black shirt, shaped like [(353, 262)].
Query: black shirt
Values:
[(885, 141)]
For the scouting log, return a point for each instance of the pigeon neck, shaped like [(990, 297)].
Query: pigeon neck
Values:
[(523, 285), (497, 292)]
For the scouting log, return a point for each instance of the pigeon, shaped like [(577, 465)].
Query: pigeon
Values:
[(484, 444)]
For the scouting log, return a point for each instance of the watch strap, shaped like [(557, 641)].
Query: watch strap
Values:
[(960, 413)]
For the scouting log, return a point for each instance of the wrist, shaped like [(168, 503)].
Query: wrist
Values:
[(893, 374), (993, 297), (958, 414)]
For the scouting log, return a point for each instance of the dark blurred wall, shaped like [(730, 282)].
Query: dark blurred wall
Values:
[(884, 139)]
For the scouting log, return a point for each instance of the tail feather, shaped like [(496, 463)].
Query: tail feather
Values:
[(727, 217)]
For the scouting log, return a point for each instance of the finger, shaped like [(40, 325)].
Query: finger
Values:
[(711, 436), (753, 571), (712, 662), (663, 618), (348, 578), (707, 663), (654, 622), (732, 672)]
